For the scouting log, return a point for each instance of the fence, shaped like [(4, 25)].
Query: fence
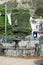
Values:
[(28, 47)]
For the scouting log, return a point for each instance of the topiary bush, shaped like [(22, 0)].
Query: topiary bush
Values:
[(22, 16)]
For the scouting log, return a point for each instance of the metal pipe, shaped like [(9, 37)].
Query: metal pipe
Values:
[(6, 22)]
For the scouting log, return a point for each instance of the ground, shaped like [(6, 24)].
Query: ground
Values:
[(19, 61)]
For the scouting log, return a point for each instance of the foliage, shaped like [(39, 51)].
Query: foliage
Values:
[(39, 11), (2, 11), (11, 5), (2, 19), (2, 23), (37, 3), (22, 16)]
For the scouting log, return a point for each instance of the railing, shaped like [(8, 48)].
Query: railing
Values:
[(28, 50), (20, 51)]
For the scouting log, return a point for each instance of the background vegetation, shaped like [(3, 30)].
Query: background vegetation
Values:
[(22, 17)]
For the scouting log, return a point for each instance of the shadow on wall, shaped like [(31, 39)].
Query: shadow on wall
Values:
[(39, 62)]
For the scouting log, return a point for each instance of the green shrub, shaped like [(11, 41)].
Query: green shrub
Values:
[(22, 17)]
